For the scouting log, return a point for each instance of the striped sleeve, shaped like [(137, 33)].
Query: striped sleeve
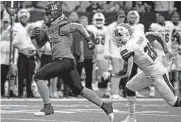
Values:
[(126, 53)]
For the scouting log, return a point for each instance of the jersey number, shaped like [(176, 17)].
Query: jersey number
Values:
[(166, 37), (150, 51), (100, 40)]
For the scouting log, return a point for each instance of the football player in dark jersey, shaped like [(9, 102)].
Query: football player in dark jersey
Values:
[(57, 29)]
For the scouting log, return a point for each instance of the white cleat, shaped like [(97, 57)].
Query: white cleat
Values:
[(138, 95), (116, 96), (129, 119)]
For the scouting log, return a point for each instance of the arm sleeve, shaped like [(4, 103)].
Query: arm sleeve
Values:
[(151, 36), (73, 27)]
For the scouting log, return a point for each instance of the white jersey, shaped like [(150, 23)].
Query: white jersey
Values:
[(112, 50), (101, 37), (166, 30), (143, 55), (137, 28), (178, 29)]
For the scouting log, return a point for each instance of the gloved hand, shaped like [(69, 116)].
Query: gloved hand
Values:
[(91, 45)]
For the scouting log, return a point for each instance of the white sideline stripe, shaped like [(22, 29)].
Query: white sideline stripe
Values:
[(84, 100), (44, 120), (163, 115)]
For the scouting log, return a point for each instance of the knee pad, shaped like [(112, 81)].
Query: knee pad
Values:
[(130, 92), (178, 102)]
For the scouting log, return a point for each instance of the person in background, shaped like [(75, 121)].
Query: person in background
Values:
[(87, 63), (133, 19), (114, 55), (164, 7), (24, 61), (4, 52), (101, 35), (140, 7), (94, 7)]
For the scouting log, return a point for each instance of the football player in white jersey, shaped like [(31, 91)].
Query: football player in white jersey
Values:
[(139, 50), (166, 29), (133, 19), (113, 54), (101, 35), (176, 43)]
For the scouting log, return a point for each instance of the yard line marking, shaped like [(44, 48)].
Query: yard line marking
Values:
[(44, 120), (84, 100), (163, 115)]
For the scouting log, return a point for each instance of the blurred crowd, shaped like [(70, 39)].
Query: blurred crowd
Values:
[(24, 64), (105, 6)]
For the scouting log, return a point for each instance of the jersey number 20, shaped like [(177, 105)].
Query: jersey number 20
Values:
[(150, 51)]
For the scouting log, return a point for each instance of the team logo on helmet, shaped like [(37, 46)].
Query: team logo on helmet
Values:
[(121, 34)]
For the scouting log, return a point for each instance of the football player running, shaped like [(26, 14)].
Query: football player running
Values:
[(138, 49), (57, 29), (166, 29), (101, 35)]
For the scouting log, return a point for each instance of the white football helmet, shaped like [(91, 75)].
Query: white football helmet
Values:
[(98, 20), (121, 34)]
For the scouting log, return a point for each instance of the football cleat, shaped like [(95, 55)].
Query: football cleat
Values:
[(108, 109), (129, 119), (46, 110)]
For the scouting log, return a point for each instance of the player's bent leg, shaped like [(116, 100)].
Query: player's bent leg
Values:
[(74, 81), (51, 70), (138, 82), (166, 90)]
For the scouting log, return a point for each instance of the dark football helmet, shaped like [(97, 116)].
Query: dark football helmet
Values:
[(52, 12)]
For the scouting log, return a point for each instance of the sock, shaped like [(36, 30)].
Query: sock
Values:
[(92, 96), (131, 100), (115, 85), (44, 91)]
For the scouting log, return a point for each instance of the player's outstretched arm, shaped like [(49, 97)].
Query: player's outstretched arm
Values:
[(73, 27), (151, 36), (127, 68)]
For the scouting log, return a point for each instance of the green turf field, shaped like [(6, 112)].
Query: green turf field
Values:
[(80, 110)]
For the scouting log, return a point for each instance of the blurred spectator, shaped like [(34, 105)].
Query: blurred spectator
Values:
[(164, 6), (70, 5), (149, 6), (25, 62), (83, 6), (126, 5), (4, 51), (140, 7), (177, 5), (115, 7), (74, 17), (87, 62), (94, 7)]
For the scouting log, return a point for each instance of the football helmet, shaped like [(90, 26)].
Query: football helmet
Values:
[(121, 34), (52, 12), (98, 20), (23, 12)]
